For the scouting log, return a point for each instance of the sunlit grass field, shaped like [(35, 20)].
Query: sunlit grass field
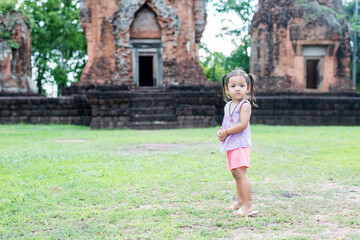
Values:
[(70, 182)]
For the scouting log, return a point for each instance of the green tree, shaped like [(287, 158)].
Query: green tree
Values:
[(355, 26), (58, 42), (215, 64), (242, 8), (239, 57), (6, 6), (212, 64)]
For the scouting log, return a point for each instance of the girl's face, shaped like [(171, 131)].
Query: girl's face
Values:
[(237, 88)]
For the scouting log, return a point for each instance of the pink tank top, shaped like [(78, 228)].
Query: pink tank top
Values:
[(242, 139)]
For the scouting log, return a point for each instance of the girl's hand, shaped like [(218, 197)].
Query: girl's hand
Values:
[(219, 135), (224, 134)]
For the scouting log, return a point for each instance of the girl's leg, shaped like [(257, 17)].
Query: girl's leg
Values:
[(239, 203), (241, 177)]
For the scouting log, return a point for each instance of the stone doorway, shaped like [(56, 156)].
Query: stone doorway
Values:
[(314, 56), (312, 73), (145, 35), (146, 71), (147, 63)]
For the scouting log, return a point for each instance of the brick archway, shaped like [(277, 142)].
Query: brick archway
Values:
[(145, 25), (122, 19)]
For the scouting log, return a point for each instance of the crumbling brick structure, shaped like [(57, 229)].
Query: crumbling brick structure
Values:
[(15, 54), (301, 45), (143, 42)]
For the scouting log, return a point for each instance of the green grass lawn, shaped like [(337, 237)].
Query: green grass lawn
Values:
[(69, 182)]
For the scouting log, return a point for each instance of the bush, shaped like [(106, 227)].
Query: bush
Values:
[(7, 5)]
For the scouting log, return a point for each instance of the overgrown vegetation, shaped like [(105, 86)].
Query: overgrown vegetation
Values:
[(312, 9), (6, 6)]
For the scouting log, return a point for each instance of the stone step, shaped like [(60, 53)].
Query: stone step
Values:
[(136, 95), (152, 117), (144, 98), (153, 110), (152, 102), (153, 125)]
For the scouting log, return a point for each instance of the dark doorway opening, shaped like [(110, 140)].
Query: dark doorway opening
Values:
[(146, 71), (312, 75)]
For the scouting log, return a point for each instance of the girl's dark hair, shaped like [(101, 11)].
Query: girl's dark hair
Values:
[(250, 80)]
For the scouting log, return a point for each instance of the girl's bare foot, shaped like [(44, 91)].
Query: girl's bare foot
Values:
[(235, 206), (248, 208), (246, 211)]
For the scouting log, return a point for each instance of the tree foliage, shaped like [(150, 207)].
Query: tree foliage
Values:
[(58, 43), (239, 58), (243, 10), (212, 64), (355, 26), (6, 6), (350, 10), (215, 64), (6, 30)]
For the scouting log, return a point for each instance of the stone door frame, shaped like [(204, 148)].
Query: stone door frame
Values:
[(147, 47), (320, 72), (315, 52)]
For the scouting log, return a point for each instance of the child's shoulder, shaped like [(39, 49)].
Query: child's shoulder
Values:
[(228, 103), (246, 101), (226, 107)]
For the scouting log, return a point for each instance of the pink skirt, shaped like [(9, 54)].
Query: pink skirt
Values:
[(239, 157)]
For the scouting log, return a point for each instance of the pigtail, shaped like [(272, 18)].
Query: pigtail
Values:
[(223, 87), (252, 90)]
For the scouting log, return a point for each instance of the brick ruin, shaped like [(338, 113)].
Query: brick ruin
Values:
[(301, 46), (15, 55), (142, 42)]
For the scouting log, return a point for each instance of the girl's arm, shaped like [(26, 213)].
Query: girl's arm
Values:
[(244, 121)]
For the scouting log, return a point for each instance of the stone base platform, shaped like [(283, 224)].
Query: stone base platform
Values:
[(107, 107), (154, 108), (310, 109), (42, 110)]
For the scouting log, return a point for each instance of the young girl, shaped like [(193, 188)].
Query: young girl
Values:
[(236, 137)]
